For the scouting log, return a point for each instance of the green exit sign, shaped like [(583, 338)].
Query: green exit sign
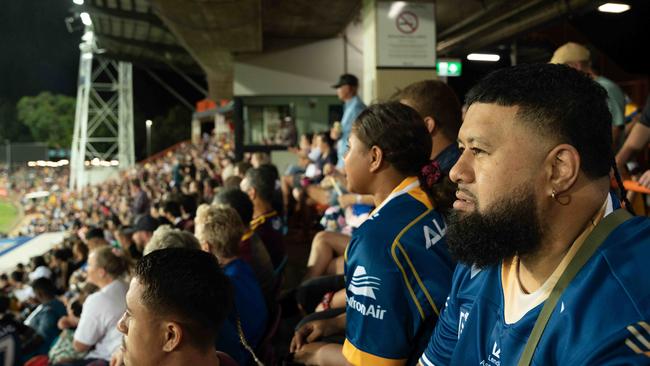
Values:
[(449, 67)]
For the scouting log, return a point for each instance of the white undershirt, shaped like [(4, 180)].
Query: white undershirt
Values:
[(517, 302)]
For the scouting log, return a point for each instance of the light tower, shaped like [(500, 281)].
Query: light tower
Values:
[(103, 127)]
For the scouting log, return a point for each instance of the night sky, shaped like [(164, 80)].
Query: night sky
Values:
[(39, 54)]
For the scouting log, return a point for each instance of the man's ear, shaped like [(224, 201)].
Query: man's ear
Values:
[(173, 335), (206, 247), (376, 158), (563, 168), (430, 123)]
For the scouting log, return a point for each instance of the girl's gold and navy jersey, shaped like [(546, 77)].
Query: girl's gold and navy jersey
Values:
[(601, 318), (398, 274)]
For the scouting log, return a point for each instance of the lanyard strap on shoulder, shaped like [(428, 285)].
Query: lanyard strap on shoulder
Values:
[(593, 241)]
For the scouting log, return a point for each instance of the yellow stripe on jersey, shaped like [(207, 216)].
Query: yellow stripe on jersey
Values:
[(358, 357), (393, 251), (636, 348), (419, 280), (638, 336), (256, 222), (404, 183), (645, 326), (247, 235), (421, 196)]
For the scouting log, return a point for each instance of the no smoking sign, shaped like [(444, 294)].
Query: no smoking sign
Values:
[(407, 22), (406, 34)]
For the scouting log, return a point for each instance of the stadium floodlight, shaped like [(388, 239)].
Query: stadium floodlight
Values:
[(613, 8), (148, 123), (490, 57), (85, 18), (78, 2)]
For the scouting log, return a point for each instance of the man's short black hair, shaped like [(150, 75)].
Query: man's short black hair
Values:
[(558, 102), (94, 233), (326, 138), (190, 285), (63, 254), (263, 180), (172, 207), (45, 286), (243, 166), (136, 183), (4, 303), (17, 276), (235, 198), (189, 202), (38, 261), (272, 177)]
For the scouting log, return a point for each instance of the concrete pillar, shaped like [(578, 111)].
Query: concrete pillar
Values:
[(219, 69), (380, 83), (196, 131)]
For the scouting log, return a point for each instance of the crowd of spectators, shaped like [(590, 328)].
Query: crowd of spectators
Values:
[(184, 253)]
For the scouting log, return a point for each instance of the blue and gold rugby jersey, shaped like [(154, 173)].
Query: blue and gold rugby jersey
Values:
[(600, 319), (398, 274)]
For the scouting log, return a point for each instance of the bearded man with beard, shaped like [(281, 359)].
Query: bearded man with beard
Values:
[(552, 270)]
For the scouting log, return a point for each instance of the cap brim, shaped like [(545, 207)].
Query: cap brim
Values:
[(130, 231), (335, 86)]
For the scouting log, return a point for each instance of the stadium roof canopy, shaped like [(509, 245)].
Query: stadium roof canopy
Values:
[(203, 35)]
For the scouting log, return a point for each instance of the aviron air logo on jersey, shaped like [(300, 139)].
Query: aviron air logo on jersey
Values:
[(364, 285)]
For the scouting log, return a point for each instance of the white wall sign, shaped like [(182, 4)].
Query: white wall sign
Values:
[(406, 34)]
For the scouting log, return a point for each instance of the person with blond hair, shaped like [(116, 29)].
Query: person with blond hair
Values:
[(167, 237), (219, 231)]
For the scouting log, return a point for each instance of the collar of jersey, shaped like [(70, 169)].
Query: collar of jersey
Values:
[(405, 186), (544, 291), (256, 222), (248, 234)]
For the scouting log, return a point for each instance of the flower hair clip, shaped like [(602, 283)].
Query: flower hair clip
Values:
[(431, 173)]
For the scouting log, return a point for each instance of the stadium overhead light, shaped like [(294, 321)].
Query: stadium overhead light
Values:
[(613, 8), (88, 36), (78, 2), (396, 8), (491, 57), (85, 18)]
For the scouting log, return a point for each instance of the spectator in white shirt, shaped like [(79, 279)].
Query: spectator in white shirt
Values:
[(102, 310), (40, 269)]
